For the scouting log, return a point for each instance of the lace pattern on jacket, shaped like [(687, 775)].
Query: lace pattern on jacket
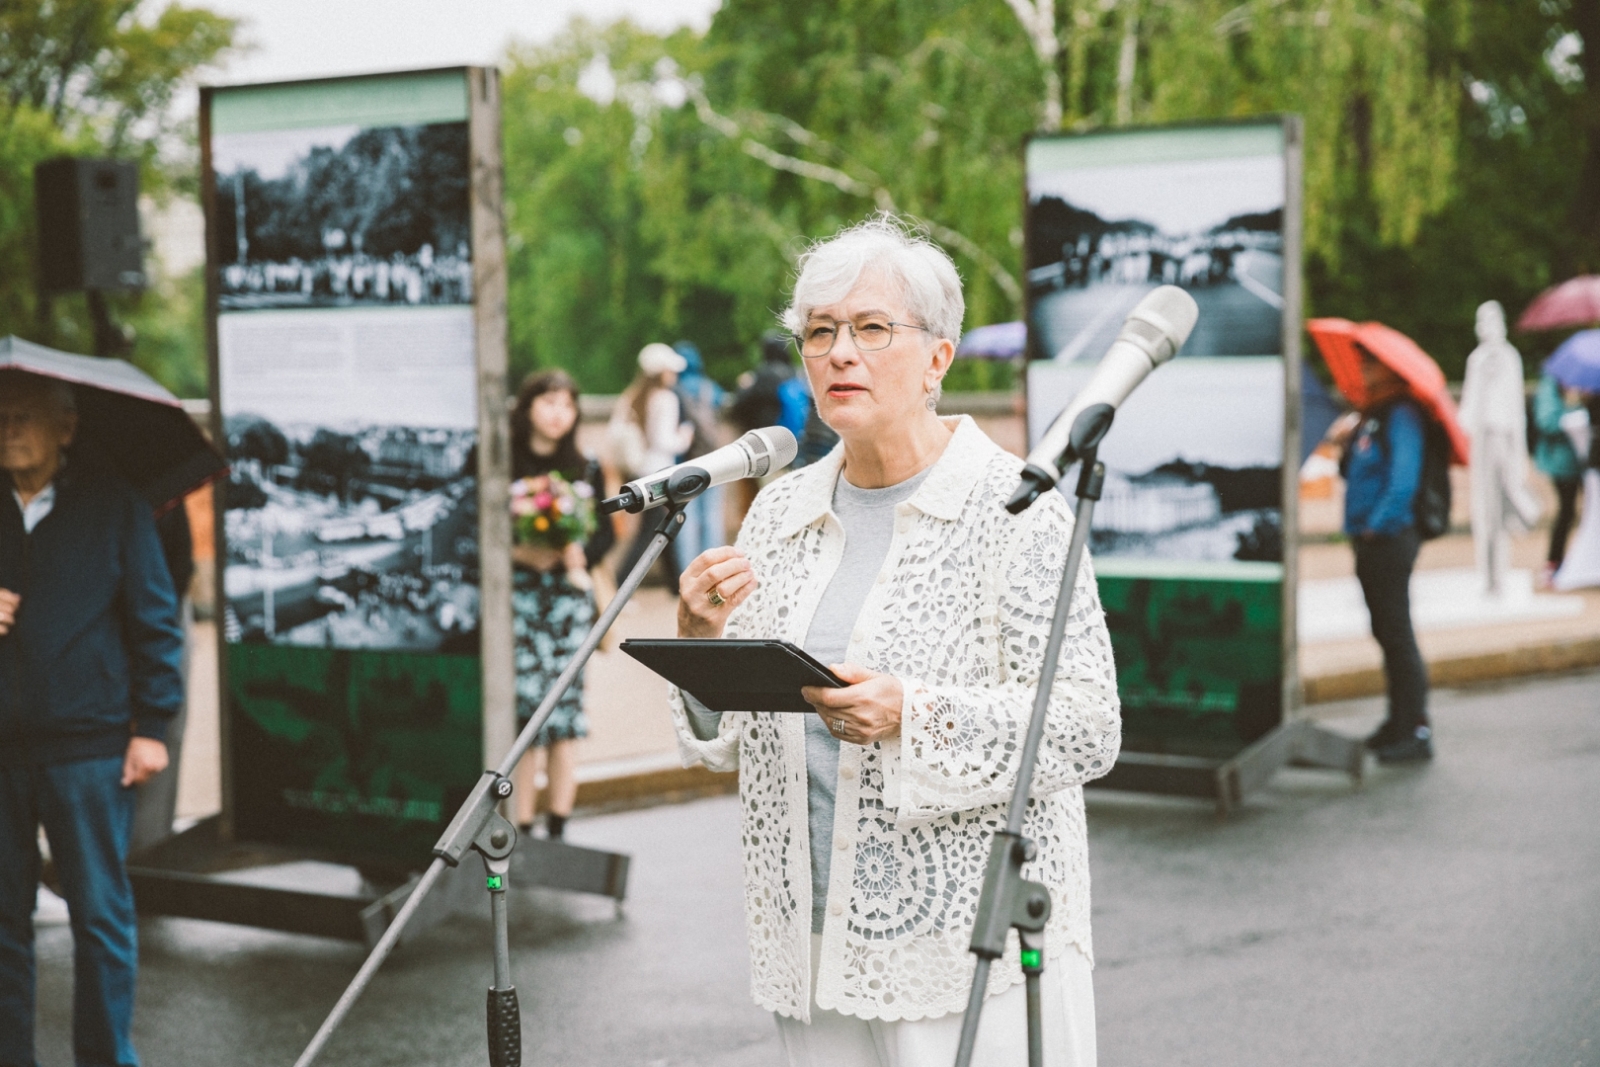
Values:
[(960, 614)]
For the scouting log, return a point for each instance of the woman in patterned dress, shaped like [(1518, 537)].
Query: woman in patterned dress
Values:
[(894, 560), (552, 600)]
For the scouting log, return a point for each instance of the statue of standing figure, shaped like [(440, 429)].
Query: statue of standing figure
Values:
[(1494, 415)]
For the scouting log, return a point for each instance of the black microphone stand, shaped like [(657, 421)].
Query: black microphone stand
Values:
[(479, 827), (1009, 900)]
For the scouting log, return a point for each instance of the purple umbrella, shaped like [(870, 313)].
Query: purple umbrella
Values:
[(1003, 340), (1576, 363)]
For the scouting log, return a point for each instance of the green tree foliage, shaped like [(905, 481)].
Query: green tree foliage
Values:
[(99, 77), (662, 186)]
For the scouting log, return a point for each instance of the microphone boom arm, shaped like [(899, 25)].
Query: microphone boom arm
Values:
[(1088, 430)]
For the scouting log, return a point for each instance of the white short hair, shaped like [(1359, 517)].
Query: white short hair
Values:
[(888, 248)]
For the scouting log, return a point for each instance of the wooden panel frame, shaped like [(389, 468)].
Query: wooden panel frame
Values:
[(490, 340)]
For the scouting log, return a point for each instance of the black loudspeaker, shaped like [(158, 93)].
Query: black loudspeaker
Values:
[(88, 214)]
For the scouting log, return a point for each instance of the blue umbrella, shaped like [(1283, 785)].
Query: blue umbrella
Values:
[(1576, 363), (1003, 340)]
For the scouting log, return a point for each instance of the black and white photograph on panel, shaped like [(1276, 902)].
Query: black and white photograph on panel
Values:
[(1194, 461), (1108, 221), (341, 216), (352, 506)]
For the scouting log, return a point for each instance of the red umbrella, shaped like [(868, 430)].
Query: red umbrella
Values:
[(1341, 343), (1575, 302)]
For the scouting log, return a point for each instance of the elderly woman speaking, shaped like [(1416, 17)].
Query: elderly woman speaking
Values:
[(867, 826)]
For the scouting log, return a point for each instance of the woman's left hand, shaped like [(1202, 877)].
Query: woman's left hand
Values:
[(866, 710)]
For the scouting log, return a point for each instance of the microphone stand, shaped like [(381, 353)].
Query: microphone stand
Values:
[(1009, 900), (479, 827)]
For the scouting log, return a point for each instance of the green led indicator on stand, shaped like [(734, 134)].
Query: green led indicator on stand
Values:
[(494, 883), (1030, 957)]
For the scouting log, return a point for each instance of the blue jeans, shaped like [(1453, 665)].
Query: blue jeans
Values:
[(88, 818)]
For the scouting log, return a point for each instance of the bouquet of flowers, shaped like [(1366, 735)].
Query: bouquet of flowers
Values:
[(550, 512)]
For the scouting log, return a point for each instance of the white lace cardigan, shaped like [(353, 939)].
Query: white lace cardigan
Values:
[(960, 614)]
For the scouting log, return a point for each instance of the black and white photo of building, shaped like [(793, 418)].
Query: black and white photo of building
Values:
[(343, 216), (351, 513), (350, 537), (1100, 237)]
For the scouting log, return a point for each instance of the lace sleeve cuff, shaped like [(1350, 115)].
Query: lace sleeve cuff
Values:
[(720, 750)]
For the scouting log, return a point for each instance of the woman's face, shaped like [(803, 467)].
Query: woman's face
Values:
[(863, 394), (1382, 384), (552, 415)]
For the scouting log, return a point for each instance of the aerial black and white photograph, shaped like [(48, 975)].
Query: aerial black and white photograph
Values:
[(1193, 462), (352, 506), (1100, 237), (341, 216)]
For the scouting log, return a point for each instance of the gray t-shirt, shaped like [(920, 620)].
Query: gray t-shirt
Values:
[(867, 516)]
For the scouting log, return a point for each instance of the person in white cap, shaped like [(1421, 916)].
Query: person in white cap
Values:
[(648, 432)]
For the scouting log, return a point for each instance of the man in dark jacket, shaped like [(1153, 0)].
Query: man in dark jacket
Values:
[(90, 654)]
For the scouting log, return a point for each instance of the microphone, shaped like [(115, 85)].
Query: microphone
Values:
[(1152, 333), (757, 453)]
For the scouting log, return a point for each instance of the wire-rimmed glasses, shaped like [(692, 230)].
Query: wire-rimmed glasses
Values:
[(870, 333)]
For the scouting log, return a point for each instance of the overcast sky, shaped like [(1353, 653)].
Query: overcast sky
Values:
[(305, 38)]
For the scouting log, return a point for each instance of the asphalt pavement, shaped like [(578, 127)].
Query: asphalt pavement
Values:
[(1439, 915)]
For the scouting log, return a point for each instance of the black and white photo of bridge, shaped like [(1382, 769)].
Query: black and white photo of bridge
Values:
[(1100, 238)]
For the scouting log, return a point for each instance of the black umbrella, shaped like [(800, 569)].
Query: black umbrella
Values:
[(126, 420)]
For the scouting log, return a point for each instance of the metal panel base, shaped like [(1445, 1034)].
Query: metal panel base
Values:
[(1228, 782), (199, 875)]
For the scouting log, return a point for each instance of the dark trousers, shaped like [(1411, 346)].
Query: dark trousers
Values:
[(1383, 566), (88, 817), (1566, 512)]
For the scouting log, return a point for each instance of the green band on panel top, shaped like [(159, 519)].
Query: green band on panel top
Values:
[(1115, 148), (381, 100)]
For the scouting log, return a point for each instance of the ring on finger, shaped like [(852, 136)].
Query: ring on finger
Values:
[(715, 597)]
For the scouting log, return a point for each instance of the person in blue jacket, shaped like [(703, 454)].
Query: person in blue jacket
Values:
[(90, 676), (1383, 459)]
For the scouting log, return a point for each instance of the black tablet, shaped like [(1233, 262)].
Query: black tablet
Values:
[(734, 675)]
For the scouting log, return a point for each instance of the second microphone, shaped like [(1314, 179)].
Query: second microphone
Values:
[(755, 455)]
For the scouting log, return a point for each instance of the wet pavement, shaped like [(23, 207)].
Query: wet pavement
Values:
[(1443, 915)]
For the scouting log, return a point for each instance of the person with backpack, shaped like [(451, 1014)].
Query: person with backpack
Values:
[(701, 399), (1387, 514), (1554, 456), (759, 402)]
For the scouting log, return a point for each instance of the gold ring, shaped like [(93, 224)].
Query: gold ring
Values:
[(715, 598)]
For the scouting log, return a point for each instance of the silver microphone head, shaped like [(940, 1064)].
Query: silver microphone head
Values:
[(1161, 322), (772, 448)]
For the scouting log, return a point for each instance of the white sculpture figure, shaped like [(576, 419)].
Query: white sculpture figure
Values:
[(1495, 418)]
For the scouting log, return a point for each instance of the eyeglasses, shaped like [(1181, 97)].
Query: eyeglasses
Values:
[(870, 335)]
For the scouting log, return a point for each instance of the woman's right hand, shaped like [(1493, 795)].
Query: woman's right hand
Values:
[(724, 571)]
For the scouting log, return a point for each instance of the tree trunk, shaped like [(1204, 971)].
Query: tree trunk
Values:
[(1585, 254), (1127, 60)]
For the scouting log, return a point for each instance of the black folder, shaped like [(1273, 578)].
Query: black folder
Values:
[(734, 675)]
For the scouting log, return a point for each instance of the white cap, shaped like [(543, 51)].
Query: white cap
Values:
[(658, 358)]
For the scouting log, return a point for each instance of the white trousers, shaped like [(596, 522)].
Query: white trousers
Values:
[(1066, 996)]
